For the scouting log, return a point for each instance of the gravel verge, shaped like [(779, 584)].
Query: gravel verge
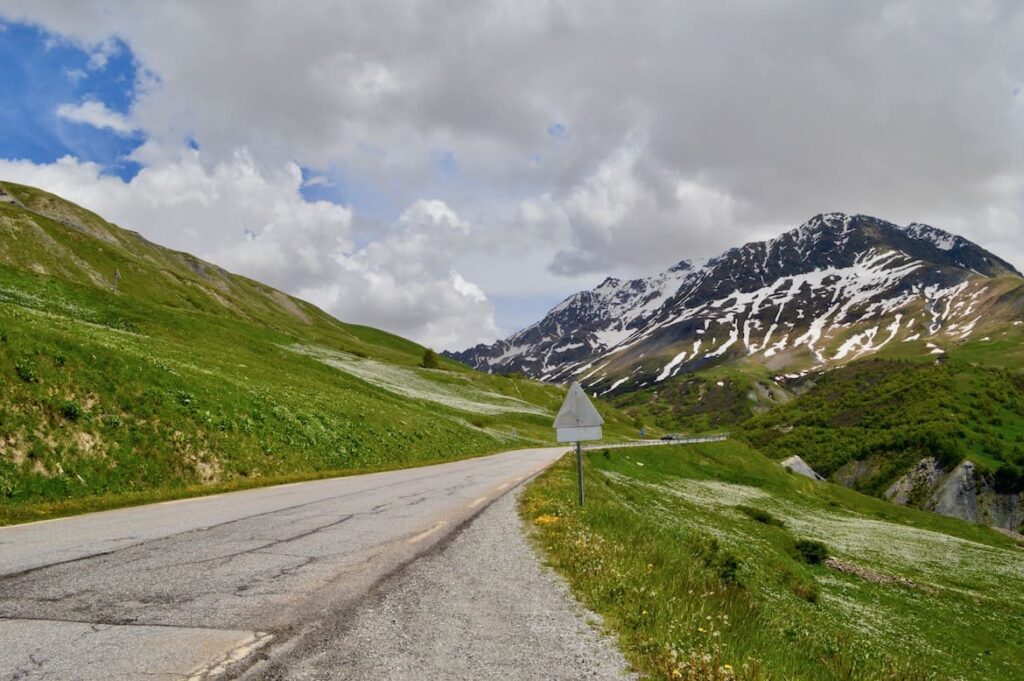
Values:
[(481, 607)]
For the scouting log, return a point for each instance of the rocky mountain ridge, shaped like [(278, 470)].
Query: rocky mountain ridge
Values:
[(837, 288)]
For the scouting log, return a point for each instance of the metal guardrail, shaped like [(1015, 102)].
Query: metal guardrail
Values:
[(722, 437)]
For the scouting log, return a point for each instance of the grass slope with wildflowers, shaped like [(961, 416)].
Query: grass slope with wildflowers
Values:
[(713, 562), (185, 379)]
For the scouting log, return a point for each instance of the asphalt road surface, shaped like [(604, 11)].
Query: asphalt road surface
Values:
[(262, 581)]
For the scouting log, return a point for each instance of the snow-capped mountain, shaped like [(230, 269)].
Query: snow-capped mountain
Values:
[(836, 288)]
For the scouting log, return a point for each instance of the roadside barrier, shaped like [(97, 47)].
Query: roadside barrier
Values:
[(721, 437)]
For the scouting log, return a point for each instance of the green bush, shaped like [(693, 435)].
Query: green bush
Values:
[(761, 516), (429, 359), (1008, 479), (726, 565), (810, 551), (728, 568), (805, 590), (71, 410), (26, 371)]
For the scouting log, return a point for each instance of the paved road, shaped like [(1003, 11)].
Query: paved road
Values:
[(194, 588), (481, 607)]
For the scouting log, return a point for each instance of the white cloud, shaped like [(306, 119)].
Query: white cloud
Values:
[(96, 114), (621, 217), (252, 220), (407, 280), (101, 54)]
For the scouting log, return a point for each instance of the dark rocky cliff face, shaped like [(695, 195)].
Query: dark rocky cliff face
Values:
[(961, 493)]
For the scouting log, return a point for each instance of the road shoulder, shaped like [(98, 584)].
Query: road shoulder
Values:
[(481, 606)]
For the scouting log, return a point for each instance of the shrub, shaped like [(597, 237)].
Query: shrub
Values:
[(728, 567), (27, 372), (1008, 479), (429, 359), (761, 516), (810, 551), (805, 590), (725, 565), (71, 410)]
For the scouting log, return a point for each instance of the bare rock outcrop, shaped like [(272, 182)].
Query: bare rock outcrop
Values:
[(963, 493), (800, 467)]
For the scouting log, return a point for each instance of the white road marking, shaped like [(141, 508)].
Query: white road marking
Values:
[(196, 498), (501, 487), (477, 502)]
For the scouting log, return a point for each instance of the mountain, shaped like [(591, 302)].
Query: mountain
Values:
[(131, 372), (837, 288)]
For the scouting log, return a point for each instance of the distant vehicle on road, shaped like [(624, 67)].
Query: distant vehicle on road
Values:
[(671, 436)]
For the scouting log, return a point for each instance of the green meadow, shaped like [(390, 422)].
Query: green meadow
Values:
[(712, 562)]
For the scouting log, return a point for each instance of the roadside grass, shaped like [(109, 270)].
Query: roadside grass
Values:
[(691, 556)]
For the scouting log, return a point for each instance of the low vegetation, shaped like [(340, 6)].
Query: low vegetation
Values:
[(898, 412), (711, 562)]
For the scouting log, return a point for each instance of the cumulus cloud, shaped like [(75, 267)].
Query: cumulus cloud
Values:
[(96, 114), (407, 280), (253, 220), (584, 139)]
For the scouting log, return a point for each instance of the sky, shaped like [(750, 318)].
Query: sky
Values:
[(451, 170)]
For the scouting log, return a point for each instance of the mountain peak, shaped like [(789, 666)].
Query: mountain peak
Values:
[(836, 288)]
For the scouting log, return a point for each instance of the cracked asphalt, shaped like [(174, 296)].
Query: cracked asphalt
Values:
[(480, 607), (206, 587)]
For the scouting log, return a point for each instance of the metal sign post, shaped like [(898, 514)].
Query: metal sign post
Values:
[(578, 420)]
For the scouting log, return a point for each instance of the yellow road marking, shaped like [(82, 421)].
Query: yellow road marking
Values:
[(423, 535)]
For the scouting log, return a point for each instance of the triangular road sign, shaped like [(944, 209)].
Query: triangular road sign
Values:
[(578, 419)]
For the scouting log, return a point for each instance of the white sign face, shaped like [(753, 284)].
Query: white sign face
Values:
[(578, 434), (578, 420)]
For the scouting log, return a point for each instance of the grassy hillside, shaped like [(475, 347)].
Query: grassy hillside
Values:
[(188, 379), (707, 561), (712, 400), (898, 412)]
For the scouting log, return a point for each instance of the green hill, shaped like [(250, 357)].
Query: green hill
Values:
[(891, 414), (186, 378)]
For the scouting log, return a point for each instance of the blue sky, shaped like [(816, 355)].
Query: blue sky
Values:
[(40, 72)]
